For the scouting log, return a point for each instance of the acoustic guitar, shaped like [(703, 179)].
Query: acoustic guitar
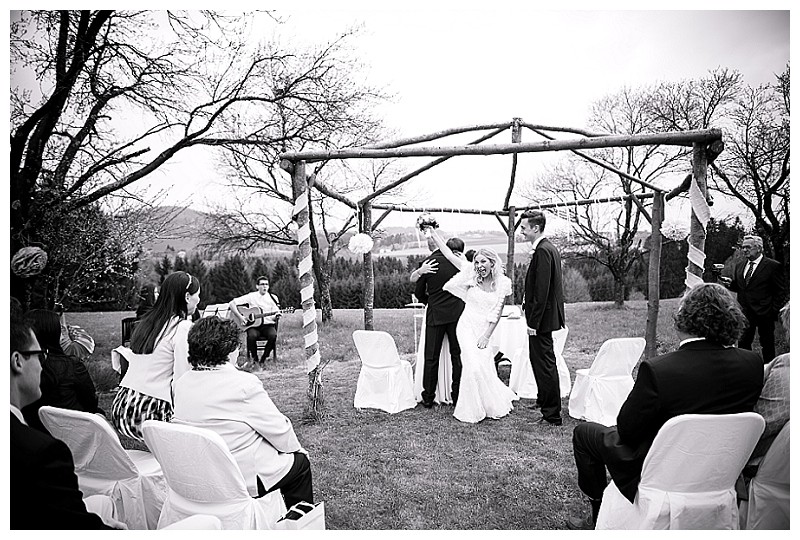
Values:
[(252, 316)]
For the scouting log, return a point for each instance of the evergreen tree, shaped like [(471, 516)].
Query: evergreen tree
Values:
[(164, 268)]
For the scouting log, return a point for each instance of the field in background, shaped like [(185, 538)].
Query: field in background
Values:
[(422, 469)]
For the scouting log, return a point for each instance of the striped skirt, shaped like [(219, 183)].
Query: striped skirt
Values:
[(131, 408)]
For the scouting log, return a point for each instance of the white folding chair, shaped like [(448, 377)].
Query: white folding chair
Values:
[(444, 382), (131, 478), (767, 506), (521, 379), (385, 381), (204, 478), (600, 391), (688, 476)]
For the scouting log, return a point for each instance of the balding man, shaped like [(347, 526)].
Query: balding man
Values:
[(759, 282)]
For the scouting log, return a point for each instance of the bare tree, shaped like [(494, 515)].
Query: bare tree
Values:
[(754, 168), (118, 94), (609, 234)]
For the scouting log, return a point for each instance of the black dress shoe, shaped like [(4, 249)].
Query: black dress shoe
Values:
[(580, 524), (544, 420), (427, 404)]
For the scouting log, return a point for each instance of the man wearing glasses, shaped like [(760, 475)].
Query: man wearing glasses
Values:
[(44, 488), (759, 284), (262, 310)]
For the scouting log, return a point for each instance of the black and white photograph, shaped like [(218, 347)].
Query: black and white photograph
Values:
[(438, 266)]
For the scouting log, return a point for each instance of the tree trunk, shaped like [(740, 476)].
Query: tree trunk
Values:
[(619, 292), (369, 273)]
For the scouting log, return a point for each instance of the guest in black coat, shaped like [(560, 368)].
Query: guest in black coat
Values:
[(706, 375), (43, 487), (543, 305), (759, 282), (65, 381)]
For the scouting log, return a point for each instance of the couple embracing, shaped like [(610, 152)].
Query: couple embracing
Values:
[(465, 301)]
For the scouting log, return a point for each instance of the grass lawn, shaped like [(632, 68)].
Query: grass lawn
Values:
[(422, 469)]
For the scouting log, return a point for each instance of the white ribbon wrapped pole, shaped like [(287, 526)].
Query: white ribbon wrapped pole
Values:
[(304, 267), (701, 213)]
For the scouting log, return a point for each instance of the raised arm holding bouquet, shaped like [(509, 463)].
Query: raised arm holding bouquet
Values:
[(483, 287)]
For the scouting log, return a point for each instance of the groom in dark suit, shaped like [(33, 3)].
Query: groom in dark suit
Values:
[(706, 375), (758, 280), (544, 313), (44, 489), (441, 318)]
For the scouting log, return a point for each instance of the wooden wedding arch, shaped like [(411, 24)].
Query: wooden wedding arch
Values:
[(706, 146)]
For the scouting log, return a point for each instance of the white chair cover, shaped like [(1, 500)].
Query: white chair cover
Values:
[(767, 506), (600, 391), (203, 478), (132, 478), (521, 379), (385, 381), (445, 381), (103, 506), (197, 522), (688, 475)]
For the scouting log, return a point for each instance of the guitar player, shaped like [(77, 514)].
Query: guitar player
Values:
[(267, 328)]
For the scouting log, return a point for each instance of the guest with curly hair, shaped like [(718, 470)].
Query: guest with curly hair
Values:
[(706, 375), (216, 395)]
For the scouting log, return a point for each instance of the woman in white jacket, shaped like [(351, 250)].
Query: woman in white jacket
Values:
[(215, 395), (158, 355)]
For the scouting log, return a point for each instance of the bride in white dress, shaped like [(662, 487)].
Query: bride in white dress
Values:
[(483, 287)]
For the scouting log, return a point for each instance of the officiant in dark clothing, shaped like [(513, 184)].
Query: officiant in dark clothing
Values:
[(441, 318)]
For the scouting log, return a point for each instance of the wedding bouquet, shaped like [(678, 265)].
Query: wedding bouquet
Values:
[(360, 243), (427, 221)]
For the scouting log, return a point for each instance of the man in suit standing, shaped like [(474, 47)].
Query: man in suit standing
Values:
[(441, 318), (760, 287), (44, 488), (706, 375), (544, 313)]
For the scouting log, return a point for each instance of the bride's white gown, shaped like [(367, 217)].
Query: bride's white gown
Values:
[(482, 394)]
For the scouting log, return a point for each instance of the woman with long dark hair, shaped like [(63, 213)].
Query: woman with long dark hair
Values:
[(157, 356), (65, 382)]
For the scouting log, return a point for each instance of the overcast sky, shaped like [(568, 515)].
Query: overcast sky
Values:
[(468, 63), (452, 64)]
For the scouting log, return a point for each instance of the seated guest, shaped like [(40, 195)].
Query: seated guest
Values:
[(65, 381), (772, 404), (44, 491), (216, 395), (265, 327), (706, 375)]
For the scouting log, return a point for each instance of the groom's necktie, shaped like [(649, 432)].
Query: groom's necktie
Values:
[(749, 272)]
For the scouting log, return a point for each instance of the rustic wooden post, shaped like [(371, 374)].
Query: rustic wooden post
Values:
[(654, 277), (700, 216), (369, 273), (512, 232), (315, 404)]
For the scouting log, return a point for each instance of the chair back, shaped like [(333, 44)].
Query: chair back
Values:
[(617, 357), (196, 462), (95, 446), (774, 468), (559, 340), (377, 349), (694, 453), (128, 324)]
